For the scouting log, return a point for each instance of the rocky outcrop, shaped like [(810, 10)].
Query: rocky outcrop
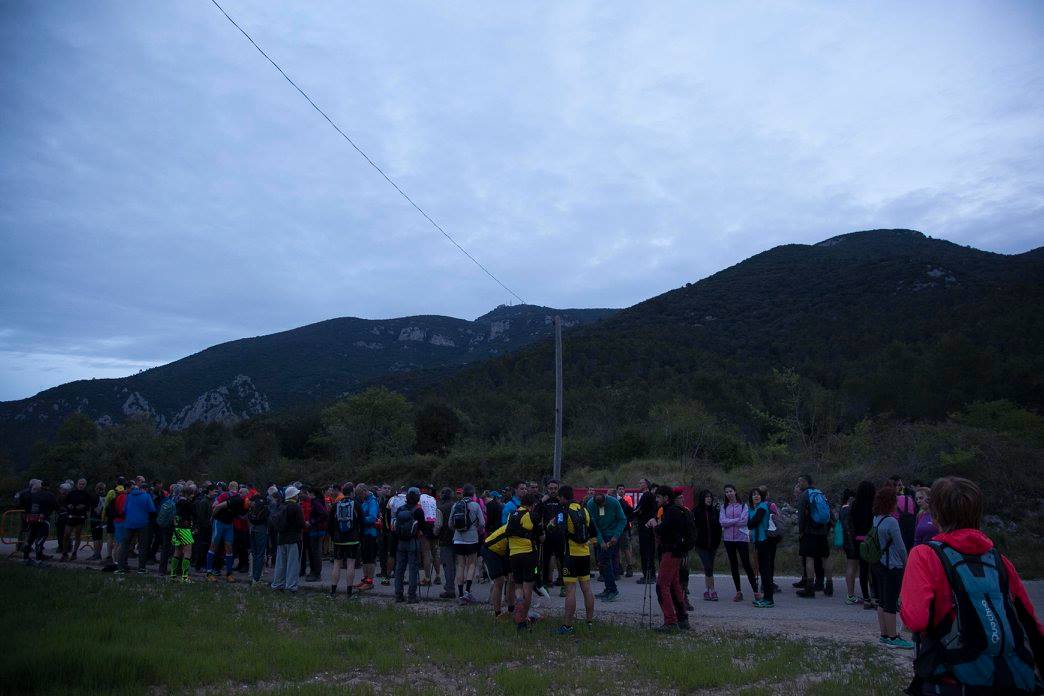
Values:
[(231, 403)]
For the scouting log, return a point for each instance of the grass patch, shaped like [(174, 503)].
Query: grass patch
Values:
[(76, 632)]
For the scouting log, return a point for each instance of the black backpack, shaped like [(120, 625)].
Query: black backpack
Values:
[(278, 520), (405, 524), (581, 532), (460, 520), (257, 515)]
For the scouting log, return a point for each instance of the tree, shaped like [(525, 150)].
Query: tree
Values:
[(437, 427), (376, 422)]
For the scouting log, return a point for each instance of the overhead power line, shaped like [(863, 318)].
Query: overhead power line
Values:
[(365, 156)]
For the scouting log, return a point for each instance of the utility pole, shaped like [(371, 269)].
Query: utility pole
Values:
[(557, 471)]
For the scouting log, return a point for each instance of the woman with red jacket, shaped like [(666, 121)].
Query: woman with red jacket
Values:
[(994, 642)]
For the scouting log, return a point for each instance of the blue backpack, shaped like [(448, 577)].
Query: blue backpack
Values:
[(818, 507), (984, 646)]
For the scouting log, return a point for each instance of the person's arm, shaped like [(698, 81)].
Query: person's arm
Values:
[(481, 518), (918, 589), (756, 518), (593, 512)]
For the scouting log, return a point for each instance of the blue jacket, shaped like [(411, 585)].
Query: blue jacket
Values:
[(136, 512), (370, 511), (509, 507)]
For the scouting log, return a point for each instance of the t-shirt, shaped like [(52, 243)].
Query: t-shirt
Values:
[(577, 549), (523, 544), (471, 534), (184, 513), (78, 504)]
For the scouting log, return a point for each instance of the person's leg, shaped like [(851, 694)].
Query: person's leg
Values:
[(350, 575), (124, 551), (258, 551), (762, 552), (608, 573), (851, 570), (449, 568), (496, 593), (335, 574), (819, 571), (458, 563), (65, 541), (589, 600), (646, 546), (400, 570), (707, 561), (678, 596), (668, 576), (570, 602), (413, 559), (436, 561), (279, 573), (424, 548), (732, 554), (293, 574)]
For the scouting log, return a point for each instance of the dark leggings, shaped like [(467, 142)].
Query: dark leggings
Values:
[(647, 549), (864, 578), (767, 565), (740, 548)]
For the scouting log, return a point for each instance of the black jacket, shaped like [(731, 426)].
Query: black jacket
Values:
[(673, 531), (708, 527)]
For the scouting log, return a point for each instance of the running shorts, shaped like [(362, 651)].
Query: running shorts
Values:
[(525, 567), (465, 549), (368, 549), (496, 566), (182, 537), (346, 552), (223, 532), (576, 568)]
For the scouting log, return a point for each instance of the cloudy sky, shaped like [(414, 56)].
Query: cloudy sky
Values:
[(163, 189)]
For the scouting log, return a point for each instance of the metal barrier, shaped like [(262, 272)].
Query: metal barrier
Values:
[(11, 526)]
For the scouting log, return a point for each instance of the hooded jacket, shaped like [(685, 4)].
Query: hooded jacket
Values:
[(926, 599), (370, 512), (609, 519), (137, 508)]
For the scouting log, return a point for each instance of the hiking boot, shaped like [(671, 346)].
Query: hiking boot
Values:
[(800, 584), (667, 628), (211, 577), (230, 578), (399, 599), (683, 625), (806, 594), (628, 573), (610, 596), (448, 594), (566, 631), (869, 603)]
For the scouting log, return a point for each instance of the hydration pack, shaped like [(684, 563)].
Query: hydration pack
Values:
[(580, 532), (983, 644), (818, 507), (405, 523), (165, 516), (344, 512), (460, 520)]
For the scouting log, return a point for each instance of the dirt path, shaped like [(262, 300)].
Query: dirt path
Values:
[(826, 617)]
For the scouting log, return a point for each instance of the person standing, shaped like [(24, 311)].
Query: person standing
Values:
[(371, 514), (926, 528), (257, 518), (444, 536), (578, 532), (136, 511), (78, 508), (96, 521), (468, 525), (706, 518), (523, 529), (38, 504), (888, 570), (181, 534), (672, 536), (552, 550), (646, 510), (608, 519), (344, 531), (626, 550), (406, 525), (813, 535), (764, 546), (289, 524), (733, 518), (958, 589), (862, 520), (849, 546)]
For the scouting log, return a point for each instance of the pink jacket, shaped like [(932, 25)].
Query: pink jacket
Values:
[(733, 518)]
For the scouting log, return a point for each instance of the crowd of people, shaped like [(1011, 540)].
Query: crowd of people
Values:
[(917, 552)]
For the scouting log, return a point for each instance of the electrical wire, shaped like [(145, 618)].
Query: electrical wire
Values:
[(365, 156)]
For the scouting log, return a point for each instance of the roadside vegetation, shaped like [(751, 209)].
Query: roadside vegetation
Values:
[(79, 632)]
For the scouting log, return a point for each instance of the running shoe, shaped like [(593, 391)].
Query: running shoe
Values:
[(610, 596), (899, 642), (706, 596), (566, 631), (851, 599), (366, 584), (738, 597)]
